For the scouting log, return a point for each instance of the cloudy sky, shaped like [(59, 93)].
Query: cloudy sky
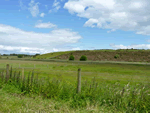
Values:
[(43, 26)]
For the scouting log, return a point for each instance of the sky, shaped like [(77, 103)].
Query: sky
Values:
[(44, 26)]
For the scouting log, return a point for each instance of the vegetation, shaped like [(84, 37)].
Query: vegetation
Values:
[(83, 58), (127, 55), (20, 56), (117, 56), (52, 55), (105, 87), (71, 57)]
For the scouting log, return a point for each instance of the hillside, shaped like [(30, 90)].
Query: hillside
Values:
[(130, 55), (52, 55)]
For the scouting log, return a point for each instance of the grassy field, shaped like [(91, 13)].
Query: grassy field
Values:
[(102, 85)]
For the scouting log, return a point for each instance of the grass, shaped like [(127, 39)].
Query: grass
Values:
[(13, 101), (110, 87), (51, 55)]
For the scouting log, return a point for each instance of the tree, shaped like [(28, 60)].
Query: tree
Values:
[(20, 56), (83, 58), (71, 57)]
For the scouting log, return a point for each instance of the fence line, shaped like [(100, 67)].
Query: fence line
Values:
[(21, 76)]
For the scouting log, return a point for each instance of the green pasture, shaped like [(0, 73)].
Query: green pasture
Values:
[(107, 73)]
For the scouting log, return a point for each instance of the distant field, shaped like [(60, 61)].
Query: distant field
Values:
[(110, 73)]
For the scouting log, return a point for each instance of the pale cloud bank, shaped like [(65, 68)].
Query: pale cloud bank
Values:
[(32, 42)]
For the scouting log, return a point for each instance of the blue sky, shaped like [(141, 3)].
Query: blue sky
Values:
[(43, 26)]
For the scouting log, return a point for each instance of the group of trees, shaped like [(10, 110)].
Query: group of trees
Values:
[(82, 58), (20, 55)]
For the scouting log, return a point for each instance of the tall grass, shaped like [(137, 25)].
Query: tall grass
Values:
[(129, 98)]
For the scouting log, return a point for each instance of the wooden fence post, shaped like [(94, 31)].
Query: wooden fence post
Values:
[(22, 73), (79, 81), (7, 72)]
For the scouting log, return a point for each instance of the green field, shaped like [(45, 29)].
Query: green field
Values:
[(102, 85)]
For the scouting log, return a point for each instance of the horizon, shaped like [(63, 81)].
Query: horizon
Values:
[(70, 50), (41, 26)]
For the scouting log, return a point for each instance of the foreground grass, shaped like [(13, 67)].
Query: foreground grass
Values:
[(12, 100), (110, 87), (93, 99)]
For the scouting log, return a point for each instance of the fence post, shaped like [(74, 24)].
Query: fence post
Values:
[(22, 73), (79, 81), (7, 72), (11, 72)]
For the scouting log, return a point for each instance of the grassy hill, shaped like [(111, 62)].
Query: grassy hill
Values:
[(130, 55), (52, 55)]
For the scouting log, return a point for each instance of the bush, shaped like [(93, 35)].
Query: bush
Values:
[(83, 58), (71, 57), (116, 56), (20, 56)]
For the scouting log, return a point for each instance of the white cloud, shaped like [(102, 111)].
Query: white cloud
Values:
[(64, 49), (138, 46), (16, 39), (45, 25), (34, 8), (111, 30), (22, 49), (42, 14), (22, 6), (90, 22), (56, 6), (77, 48), (127, 15)]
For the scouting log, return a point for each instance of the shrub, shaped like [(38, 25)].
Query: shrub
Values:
[(20, 56), (71, 57), (83, 58), (116, 56)]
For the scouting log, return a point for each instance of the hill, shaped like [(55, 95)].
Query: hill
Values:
[(52, 55), (130, 55)]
